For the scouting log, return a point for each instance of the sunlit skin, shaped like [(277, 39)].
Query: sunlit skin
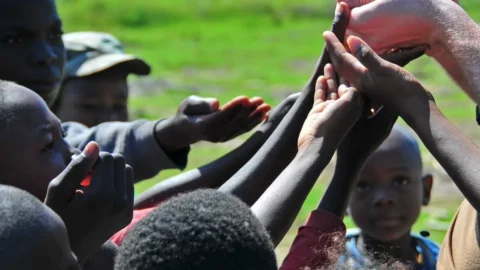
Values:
[(34, 151), (95, 99), (390, 193), (31, 43)]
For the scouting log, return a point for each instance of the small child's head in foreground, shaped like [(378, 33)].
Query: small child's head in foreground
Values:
[(204, 229), (391, 189), (32, 236), (33, 149)]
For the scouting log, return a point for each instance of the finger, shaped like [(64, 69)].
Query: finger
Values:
[(119, 176), (355, 3), (341, 20), (199, 105), (241, 101), (320, 90), (354, 97), (346, 64), (129, 186), (63, 186), (102, 177), (405, 56), (258, 116), (365, 54), (329, 72), (256, 101), (343, 81)]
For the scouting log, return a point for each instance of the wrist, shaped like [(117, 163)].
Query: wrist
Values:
[(173, 135), (422, 119)]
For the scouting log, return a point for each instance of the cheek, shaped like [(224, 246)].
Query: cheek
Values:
[(359, 210), (17, 68)]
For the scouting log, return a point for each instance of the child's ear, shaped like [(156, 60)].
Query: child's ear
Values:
[(427, 188)]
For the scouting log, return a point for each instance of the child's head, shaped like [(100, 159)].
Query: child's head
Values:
[(32, 236), (391, 189), (31, 47), (95, 89), (33, 149), (204, 229)]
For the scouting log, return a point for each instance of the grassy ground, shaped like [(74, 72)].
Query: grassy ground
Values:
[(226, 48)]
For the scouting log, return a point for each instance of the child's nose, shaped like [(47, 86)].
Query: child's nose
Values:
[(383, 197)]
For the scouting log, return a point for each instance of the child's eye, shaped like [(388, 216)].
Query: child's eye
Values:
[(56, 35), (12, 39), (401, 181), (48, 147), (362, 186)]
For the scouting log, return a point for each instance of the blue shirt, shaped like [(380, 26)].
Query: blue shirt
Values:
[(426, 248)]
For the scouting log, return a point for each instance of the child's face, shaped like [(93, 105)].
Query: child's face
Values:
[(389, 194), (33, 149), (95, 99), (31, 43)]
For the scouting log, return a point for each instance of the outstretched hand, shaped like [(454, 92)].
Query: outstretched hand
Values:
[(92, 214), (380, 80), (335, 110), (202, 119)]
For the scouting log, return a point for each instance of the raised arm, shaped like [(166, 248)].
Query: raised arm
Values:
[(335, 110), (255, 177), (452, 36), (216, 173), (457, 154)]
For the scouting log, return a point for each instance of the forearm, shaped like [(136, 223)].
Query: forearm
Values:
[(211, 175), (277, 152), (278, 207), (457, 154), (459, 46), (337, 196)]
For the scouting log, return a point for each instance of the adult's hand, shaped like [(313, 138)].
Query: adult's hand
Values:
[(381, 80), (389, 24), (94, 213)]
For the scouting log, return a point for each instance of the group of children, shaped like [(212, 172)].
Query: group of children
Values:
[(67, 198)]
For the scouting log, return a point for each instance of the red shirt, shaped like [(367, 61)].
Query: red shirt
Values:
[(318, 243), (137, 216)]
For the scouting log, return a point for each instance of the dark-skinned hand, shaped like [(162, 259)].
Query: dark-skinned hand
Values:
[(202, 119), (92, 214), (369, 132)]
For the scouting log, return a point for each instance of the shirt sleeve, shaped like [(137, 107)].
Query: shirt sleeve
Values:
[(134, 140), (318, 243), (461, 246)]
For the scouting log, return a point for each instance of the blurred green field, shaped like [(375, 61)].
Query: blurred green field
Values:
[(226, 48)]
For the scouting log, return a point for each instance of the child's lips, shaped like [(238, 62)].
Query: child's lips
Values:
[(389, 222)]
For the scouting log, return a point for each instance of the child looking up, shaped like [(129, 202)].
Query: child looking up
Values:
[(386, 203)]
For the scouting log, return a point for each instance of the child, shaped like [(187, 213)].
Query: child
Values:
[(457, 154), (204, 229), (31, 42), (32, 236), (36, 158), (94, 88), (386, 204)]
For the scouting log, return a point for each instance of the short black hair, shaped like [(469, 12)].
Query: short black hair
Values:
[(204, 229)]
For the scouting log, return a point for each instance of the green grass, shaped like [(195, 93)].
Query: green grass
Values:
[(226, 48)]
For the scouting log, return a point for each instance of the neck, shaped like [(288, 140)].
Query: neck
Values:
[(400, 249)]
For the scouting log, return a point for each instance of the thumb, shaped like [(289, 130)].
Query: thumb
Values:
[(62, 188), (403, 57), (365, 54)]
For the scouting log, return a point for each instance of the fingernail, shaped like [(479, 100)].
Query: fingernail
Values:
[(355, 45), (90, 149)]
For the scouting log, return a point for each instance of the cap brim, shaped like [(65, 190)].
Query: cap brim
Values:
[(101, 63)]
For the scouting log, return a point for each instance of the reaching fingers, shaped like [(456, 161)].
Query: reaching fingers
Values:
[(241, 101), (405, 56), (198, 105), (321, 89), (103, 177), (329, 72), (119, 177), (346, 64)]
